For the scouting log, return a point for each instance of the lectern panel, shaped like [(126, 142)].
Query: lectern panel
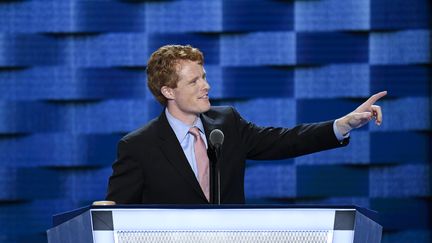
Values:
[(224, 219), (224, 236)]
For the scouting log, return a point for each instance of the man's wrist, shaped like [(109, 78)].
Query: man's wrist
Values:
[(342, 126)]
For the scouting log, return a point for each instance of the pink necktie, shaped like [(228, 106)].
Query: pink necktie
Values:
[(202, 162)]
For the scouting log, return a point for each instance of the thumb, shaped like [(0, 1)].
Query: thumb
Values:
[(358, 119)]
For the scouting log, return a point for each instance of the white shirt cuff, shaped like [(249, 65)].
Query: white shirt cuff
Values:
[(340, 137)]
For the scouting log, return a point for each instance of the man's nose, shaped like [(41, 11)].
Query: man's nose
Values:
[(206, 84)]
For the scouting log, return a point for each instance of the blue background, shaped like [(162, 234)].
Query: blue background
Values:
[(72, 82)]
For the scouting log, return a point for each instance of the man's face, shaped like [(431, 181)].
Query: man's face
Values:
[(190, 97)]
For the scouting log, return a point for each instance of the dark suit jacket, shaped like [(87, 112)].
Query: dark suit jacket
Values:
[(151, 167)]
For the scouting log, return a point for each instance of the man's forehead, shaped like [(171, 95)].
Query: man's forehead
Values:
[(189, 68)]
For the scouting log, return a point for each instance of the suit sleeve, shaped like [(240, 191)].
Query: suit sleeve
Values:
[(127, 174), (262, 143)]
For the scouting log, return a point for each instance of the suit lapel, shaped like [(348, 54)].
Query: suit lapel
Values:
[(209, 125), (173, 151)]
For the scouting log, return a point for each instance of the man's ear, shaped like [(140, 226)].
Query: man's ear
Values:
[(167, 92)]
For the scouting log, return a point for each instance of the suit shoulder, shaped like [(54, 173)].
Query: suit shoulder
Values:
[(220, 110), (144, 133)]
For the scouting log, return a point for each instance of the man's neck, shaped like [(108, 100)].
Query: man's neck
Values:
[(188, 119)]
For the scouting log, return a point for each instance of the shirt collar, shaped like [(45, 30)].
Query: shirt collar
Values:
[(181, 129)]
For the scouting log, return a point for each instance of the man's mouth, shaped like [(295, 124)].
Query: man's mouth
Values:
[(204, 97)]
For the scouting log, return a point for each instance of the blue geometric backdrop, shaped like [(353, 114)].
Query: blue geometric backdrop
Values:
[(72, 82)]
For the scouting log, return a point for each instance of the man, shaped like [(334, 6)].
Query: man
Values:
[(166, 161)]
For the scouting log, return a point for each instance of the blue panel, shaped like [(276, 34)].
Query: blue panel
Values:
[(281, 114), (207, 43), (32, 16), (400, 181), (76, 117), (106, 50), (324, 181), (405, 114), (258, 82), (401, 80), (397, 214), (85, 184), (405, 147), (400, 14), (24, 237), (154, 110), (100, 149), (423, 236), (72, 16), (357, 152), (214, 78), (111, 83), (344, 80), (325, 15), (36, 183), (324, 109), (25, 50), (22, 117), (29, 183), (407, 47), (8, 184), (247, 15), (184, 16), (262, 48), (67, 83), (124, 115), (37, 83), (97, 16), (267, 180), (332, 47), (58, 150)]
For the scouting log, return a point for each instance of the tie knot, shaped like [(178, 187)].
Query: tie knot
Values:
[(194, 131)]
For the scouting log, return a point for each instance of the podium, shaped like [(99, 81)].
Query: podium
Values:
[(245, 223)]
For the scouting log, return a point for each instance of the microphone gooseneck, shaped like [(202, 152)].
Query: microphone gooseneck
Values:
[(216, 140)]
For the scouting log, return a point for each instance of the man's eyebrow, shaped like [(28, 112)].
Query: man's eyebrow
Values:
[(193, 79), (204, 74)]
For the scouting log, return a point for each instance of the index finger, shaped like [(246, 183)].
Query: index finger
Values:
[(374, 98)]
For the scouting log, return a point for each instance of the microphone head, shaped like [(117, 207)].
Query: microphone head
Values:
[(216, 138)]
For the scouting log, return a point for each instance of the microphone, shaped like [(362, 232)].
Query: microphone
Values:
[(216, 138)]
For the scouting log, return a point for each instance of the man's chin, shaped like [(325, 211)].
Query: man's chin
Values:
[(205, 108)]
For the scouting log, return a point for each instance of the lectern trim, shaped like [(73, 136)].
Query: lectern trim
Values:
[(344, 220), (102, 220)]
